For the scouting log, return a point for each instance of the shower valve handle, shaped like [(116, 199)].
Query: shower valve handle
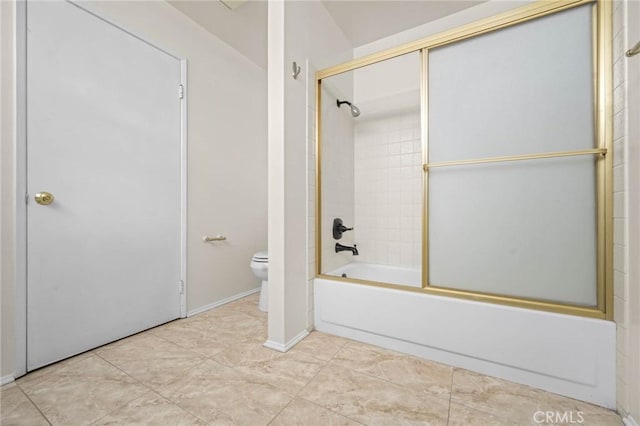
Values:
[(339, 228)]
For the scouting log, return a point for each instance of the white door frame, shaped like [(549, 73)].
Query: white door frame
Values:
[(20, 29)]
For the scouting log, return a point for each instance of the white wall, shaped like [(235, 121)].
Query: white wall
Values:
[(7, 217), (302, 32), (243, 28), (311, 191), (387, 79), (226, 154)]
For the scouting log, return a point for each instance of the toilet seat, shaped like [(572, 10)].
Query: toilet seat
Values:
[(260, 257)]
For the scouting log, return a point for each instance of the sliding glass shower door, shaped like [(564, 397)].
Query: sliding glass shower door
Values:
[(513, 161), (479, 158)]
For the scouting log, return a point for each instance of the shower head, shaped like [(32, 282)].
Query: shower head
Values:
[(355, 111)]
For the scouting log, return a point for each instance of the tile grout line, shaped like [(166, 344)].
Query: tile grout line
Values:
[(307, 383), (126, 374), (186, 410), (428, 393), (67, 361), (34, 405), (499, 414), (323, 364), (211, 358), (294, 396), (280, 412), (471, 407), (115, 409), (483, 411), (181, 346), (334, 412), (149, 388), (453, 372), (379, 378), (326, 363)]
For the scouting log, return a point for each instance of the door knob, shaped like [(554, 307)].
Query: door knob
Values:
[(44, 198)]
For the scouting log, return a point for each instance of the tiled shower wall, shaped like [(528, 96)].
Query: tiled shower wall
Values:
[(388, 181), (620, 184), (337, 176), (337, 179)]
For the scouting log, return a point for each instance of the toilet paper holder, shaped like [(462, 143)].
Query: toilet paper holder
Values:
[(216, 238)]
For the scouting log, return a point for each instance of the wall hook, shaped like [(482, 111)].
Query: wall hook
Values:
[(631, 52), (296, 70)]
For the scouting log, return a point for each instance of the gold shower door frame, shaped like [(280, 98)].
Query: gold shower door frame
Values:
[(603, 120)]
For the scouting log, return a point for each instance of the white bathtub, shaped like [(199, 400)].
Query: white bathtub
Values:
[(380, 273), (564, 354)]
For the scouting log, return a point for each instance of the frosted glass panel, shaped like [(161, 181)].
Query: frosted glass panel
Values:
[(525, 228), (519, 90)]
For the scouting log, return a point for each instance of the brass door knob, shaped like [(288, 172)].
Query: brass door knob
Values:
[(44, 198)]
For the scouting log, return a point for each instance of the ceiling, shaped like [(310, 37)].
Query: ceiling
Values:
[(244, 27), (362, 21)]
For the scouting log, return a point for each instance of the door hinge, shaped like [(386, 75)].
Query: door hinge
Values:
[(181, 286), (181, 91)]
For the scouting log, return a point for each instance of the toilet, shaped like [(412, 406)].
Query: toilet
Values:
[(260, 267)]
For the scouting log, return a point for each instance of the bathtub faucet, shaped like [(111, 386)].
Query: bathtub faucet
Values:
[(340, 247)]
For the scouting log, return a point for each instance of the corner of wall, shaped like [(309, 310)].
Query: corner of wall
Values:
[(7, 192)]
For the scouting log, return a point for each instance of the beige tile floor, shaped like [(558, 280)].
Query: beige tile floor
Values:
[(212, 369)]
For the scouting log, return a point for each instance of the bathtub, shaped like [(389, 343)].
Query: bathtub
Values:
[(568, 355), (380, 273)]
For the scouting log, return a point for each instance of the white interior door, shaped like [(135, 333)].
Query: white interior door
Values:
[(103, 136)]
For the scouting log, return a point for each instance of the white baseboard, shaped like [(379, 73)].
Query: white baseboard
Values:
[(285, 347), (219, 303), (5, 380), (629, 421)]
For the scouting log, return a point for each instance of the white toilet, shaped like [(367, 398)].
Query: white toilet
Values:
[(260, 268)]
